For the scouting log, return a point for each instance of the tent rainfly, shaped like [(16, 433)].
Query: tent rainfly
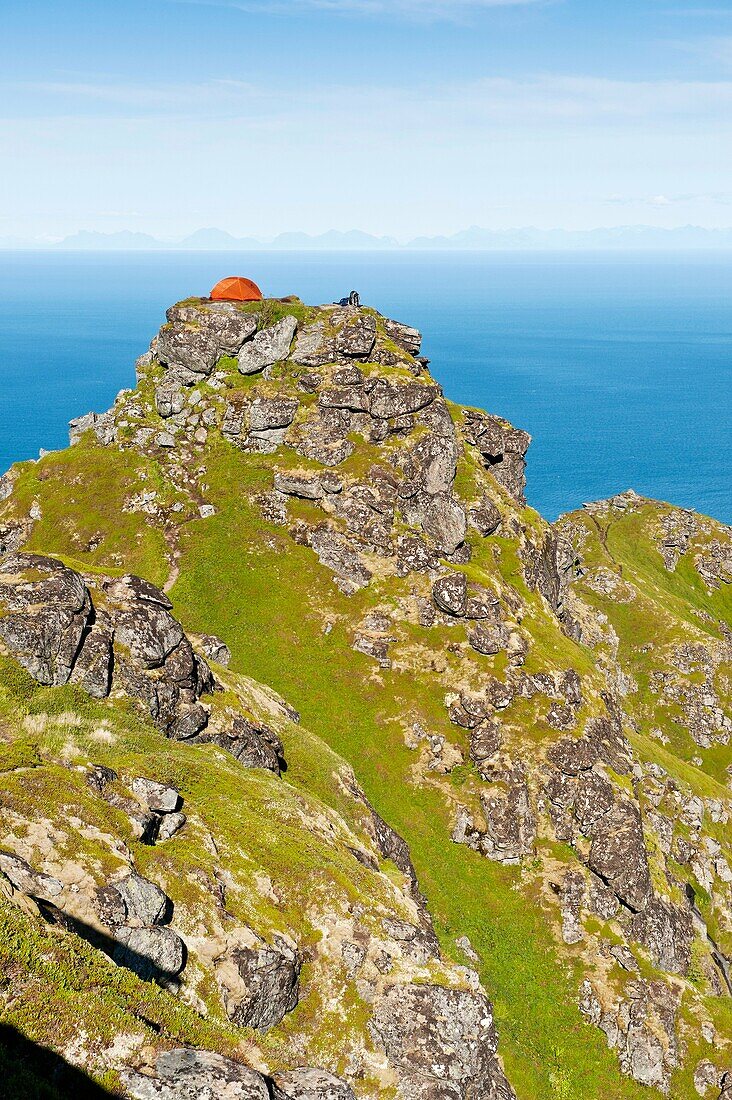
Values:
[(236, 289)]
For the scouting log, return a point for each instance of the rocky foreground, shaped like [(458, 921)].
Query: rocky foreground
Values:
[(316, 741)]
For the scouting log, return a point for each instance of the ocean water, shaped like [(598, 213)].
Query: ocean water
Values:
[(619, 365)]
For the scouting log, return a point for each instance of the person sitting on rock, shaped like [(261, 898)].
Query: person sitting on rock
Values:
[(352, 300)]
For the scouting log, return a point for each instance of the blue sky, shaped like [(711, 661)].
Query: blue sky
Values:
[(393, 116)]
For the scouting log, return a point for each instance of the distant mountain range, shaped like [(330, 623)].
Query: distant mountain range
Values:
[(473, 239)]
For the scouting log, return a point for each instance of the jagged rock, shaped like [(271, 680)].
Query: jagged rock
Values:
[(259, 985), (254, 745), (154, 954), (450, 593), (266, 413), (406, 337), (335, 552), (667, 931), (485, 518), (510, 824), (93, 665), (156, 796), (706, 1076), (310, 1084), (618, 854), (497, 694), (388, 400), (169, 825), (443, 1041), (572, 895), (540, 568), (414, 555), (485, 743), (489, 640), (322, 440), (185, 1074), (269, 346), (46, 611), (354, 398), (573, 755), (26, 880), (642, 1029), (444, 522), (503, 449), (624, 957), (214, 649), (197, 336), (102, 425), (357, 337), (594, 797), (312, 347), (432, 462), (169, 399), (307, 486)]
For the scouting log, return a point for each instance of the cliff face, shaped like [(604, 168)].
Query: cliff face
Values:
[(475, 828)]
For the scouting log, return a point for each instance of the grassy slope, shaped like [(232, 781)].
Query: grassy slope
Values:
[(269, 599), (274, 625)]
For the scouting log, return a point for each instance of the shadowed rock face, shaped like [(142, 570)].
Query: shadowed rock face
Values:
[(260, 985), (124, 639), (47, 611)]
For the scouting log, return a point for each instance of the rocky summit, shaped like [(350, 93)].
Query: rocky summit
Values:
[(329, 770)]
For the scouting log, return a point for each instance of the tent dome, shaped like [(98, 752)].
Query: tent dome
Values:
[(236, 289)]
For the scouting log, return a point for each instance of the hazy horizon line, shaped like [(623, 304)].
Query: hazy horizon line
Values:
[(473, 238)]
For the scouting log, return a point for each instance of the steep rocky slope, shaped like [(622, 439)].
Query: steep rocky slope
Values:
[(475, 828)]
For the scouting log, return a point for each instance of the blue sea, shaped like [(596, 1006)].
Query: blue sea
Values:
[(619, 365)]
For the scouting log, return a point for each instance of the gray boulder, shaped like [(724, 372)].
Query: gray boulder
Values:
[(196, 336), (307, 1083), (335, 552), (170, 824), (485, 518), (442, 1042), (93, 665), (503, 449), (667, 931), (450, 593), (356, 338), (156, 796), (510, 824), (444, 522), (169, 399), (269, 346), (145, 902), (272, 412), (214, 649), (154, 954), (185, 1074), (404, 336)]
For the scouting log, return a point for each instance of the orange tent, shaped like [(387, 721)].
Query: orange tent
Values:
[(235, 289)]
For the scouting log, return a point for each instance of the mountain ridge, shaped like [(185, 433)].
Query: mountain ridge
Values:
[(475, 238), (455, 781)]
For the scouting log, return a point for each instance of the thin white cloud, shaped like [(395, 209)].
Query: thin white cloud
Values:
[(711, 48), (554, 100), (400, 9)]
